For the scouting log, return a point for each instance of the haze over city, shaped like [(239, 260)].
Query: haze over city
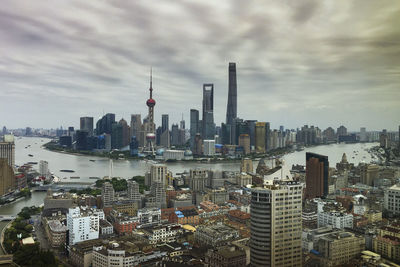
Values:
[(321, 63)]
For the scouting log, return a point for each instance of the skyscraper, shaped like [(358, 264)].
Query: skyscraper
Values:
[(194, 125), (208, 111), (7, 150), (275, 219), (136, 124), (104, 125), (86, 124), (260, 137), (133, 190), (164, 122), (231, 110), (7, 179), (317, 172)]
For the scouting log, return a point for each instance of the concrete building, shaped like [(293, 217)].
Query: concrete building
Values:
[(226, 256), (392, 199), (368, 173), (125, 254), (57, 201), (7, 150), (56, 233), (339, 248), (338, 220), (107, 194), (80, 254), (44, 169), (209, 147), (215, 235), (158, 173), (83, 224), (7, 179), (133, 193), (275, 219), (198, 179), (317, 175), (387, 242)]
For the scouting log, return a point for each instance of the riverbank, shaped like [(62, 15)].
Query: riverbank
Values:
[(274, 153)]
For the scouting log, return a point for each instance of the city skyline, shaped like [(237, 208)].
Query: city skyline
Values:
[(71, 55)]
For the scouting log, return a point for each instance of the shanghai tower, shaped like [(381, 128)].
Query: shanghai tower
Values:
[(231, 110)]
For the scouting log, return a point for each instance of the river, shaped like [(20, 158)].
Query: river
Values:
[(85, 168)]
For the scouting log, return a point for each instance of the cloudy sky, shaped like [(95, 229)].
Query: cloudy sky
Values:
[(320, 62)]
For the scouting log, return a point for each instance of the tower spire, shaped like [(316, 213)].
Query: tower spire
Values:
[(151, 82)]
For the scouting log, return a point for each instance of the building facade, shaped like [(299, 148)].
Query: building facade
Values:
[(275, 219)]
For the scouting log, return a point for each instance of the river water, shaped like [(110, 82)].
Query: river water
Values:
[(85, 168)]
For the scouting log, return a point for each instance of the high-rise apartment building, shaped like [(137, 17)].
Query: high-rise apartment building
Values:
[(260, 137), (209, 147), (133, 191), (107, 194), (7, 179), (86, 124), (317, 174), (208, 111), (158, 173), (7, 150), (83, 224), (275, 219), (231, 110)]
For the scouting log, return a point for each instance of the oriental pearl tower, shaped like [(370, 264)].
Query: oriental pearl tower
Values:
[(150, 136)]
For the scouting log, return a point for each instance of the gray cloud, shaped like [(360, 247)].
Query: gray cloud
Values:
[(323, 63)]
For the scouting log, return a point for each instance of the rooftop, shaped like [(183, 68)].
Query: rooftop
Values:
[(57, 226)]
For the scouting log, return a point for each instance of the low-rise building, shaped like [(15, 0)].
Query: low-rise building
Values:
[(56, 233), (80, 254), (106, 228), (124, 254), (215, 235), (128, 207), (336, 219), (392, 199), (226, 256), (387, 242), (340, 248), (162, 233)]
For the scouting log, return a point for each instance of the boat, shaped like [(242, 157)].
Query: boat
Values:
[(92, 160), (75, 177), (30, 155), (67, 171), (32, 162), (94, 178)]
